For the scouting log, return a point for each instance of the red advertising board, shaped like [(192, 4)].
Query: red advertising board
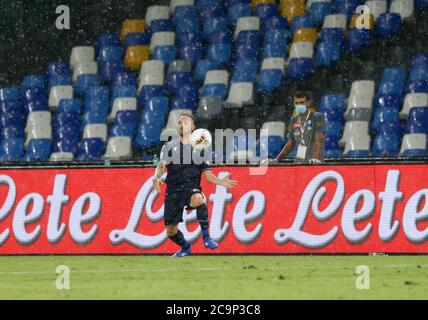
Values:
[(290, 209)]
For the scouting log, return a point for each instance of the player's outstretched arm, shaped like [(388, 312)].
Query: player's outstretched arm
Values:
[(157, 177), (225, 182)]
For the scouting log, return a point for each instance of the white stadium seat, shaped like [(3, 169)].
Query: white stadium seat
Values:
[(354, 128), (122, 104), (216, 77), (151, 74), (118, 148), (95, 131), (303, 49), (38, 118), (59, 93), (38, 132), (246, 23), (90, 67), (61, 156), (413, 100), (176, 3), (377, 7), (405, 8), (165, 38), (335, 21), (413, 141), (81, 54), (358, 142), (156, 13), (363, 88), (240, 93), (274, 128), (273, 64)]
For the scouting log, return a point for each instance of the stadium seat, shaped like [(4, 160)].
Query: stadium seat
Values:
[(414, 145), (156, 12), (240, 93), (122, 104), (367, 21), (353, 128), (335, 21), (82, 54), (38, 150), (385, 116), (91, 149), (357, 39), (305, 35), (9, 94), (59, 80), (291, 8), (358, 146), (216, 83), (106, 39), (385, 145), (58, 93), (135, 56), (301, 22), (405, 8), (165, 38), (202, 67), (299, 69), (123, 92), (152, 73), (95, 131), (267, 10), (275, 23), (413, 100), (319, 10), (209, 108), (131, 26), (58, 68), (84, 68), (118, 148), (69, 105), (271, 75), (301, 50), (125, 78), (346, 7), (417, 120), (219, 53), (238, 11), (11, 150), (214, 10), (110, 54), (377, 7), (33, 81), (387, 24), (214, 25), (246, 24), (327, 54), (245, 70)]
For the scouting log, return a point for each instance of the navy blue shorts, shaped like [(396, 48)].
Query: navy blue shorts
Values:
[(175, 203)]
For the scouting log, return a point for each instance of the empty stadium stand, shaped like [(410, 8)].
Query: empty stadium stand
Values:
[(232, 64)]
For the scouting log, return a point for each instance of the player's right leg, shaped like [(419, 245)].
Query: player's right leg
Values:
[(173, 215)]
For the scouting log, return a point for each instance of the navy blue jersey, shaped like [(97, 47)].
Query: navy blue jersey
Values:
[(184, 168)]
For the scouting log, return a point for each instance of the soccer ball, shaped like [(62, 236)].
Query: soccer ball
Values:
[(201, 139)]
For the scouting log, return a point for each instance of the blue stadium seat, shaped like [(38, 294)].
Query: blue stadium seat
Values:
[(59, 68), (331, 147), (147, 136), (270, 146), (219, 53), (188, 91), (85, 81), (70, 105), (123, 92), (300, 22), (66, 133), (125, 78), (39, 150), (65, 146), (420, 86), (148, 92), (189, 38), (59, 80), (200, 4), (11, 150), (107, 39), (245, 70), (165, 53), (300, 69), (420, 60), (385, 145), (327, 54), (192, 53), (216, 10), (161, 25), (334, 129), (34, 81), (219, 90), (331, 34), (91, 149), (358, 154), (420, 73), (126, 117), (347, 7), (63, 119), (35, 94), (93, 118), (121, 130), (36, 105), (357, 39), (237, 11), (109, 71), (13, 132), (275, 22), (188, 25), (396, 75), (333, 115), (110, 54), (176, 80), (7, 107), (266, 10), (390, 88), (384, 116), (137, 39), (9, 94), (270, 80), (319, 10), (388, 101), (184, 13), (247, 45), (387, 24), (202, 67), (417, 120), (214, 25), (184, 103), (156, 112), (275, 43)]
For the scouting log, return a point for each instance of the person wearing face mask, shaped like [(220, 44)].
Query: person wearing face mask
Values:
[(306, 130)]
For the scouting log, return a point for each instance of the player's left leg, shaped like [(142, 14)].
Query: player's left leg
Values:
[(198, 201)]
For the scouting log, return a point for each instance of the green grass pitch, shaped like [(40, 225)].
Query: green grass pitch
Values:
[(214, 277)]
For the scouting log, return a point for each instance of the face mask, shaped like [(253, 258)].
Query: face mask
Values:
[(300, 108)]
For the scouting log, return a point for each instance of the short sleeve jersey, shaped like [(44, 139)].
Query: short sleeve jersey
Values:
[(304, 133), (184, 169)]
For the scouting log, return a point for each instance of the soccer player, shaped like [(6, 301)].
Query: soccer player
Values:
[(183, 186)]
